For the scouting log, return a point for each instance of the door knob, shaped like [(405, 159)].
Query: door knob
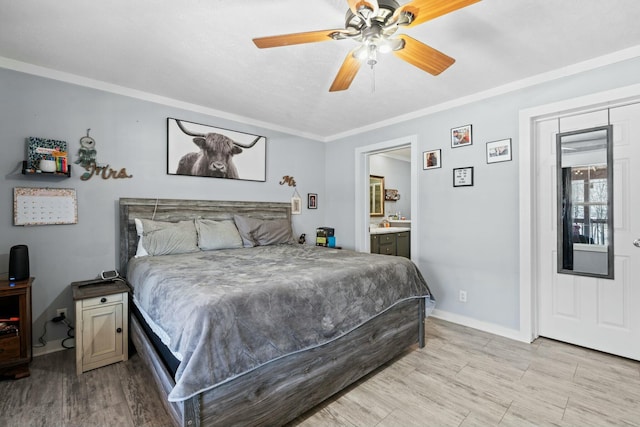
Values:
[(636, 243)]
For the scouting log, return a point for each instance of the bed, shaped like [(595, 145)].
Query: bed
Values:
[(258, 333)]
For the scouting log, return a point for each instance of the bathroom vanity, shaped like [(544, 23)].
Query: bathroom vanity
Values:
[(391, 241)]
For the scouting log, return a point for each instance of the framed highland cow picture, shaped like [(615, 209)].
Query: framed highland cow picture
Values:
[(200, 150)]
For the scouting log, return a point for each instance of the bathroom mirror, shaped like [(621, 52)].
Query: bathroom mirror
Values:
[(585, 202), (376, 195)]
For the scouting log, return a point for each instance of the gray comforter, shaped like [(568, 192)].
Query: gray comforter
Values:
[(229, 311)]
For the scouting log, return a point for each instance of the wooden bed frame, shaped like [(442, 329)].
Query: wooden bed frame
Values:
[(279, 391)]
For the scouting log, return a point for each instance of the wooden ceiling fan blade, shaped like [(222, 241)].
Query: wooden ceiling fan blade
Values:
[(346, 74), (426, 10), (296, 38), (422, 56)]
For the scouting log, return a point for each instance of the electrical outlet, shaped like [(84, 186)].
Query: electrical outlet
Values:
[(61, 311), (463, 296)]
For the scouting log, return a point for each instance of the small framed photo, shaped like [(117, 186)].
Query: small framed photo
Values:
[(312, 201), (461, 136), (431, 159), (391, 195), (463, 177), (499, 151), (296, 205)]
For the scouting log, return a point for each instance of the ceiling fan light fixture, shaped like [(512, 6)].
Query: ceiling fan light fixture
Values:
[(362, 52), (386, 45)]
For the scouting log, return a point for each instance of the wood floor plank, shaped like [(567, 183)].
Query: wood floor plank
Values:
[(532, 412), (350, 412), (585, 414), (459, 397), (143, 400), (116, 415), (91, 392), (541, 388), (37, 399), (324, 417)]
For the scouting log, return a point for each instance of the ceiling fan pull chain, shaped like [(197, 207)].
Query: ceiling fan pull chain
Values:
[(373, 79)]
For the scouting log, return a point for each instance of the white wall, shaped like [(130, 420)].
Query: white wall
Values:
[(129, 133), (468, 236)]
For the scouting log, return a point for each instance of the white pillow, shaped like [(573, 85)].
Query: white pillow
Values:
[(166, 238), (140, 251), (213, 235)]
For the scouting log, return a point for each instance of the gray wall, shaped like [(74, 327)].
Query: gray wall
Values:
[(468, 235), (129, 133)]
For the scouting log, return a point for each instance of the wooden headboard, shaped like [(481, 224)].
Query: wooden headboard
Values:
[(174, 210)]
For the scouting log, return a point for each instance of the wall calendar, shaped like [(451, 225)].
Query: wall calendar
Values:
[(44, 206)]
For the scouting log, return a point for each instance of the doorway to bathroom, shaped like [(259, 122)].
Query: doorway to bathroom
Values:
[(399, 160)]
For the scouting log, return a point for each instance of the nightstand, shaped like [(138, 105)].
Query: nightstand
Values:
[(15, 328), (102, 324)]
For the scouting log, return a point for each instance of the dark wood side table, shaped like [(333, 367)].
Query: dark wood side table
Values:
[(15, 328)]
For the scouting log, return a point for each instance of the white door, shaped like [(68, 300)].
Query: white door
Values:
[(597, 313)]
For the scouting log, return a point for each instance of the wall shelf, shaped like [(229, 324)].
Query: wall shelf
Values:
[(35, 172)]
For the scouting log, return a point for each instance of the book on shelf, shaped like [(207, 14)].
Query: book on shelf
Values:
[(47, 149)]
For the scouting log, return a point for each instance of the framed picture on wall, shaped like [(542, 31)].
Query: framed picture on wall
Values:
[(461, 136), (312, 201), (431, 159), (463, 177), (499, 151), (200, 150), (296, 205)]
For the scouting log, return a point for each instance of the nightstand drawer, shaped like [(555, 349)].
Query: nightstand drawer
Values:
[(9, 348), (102, 300)]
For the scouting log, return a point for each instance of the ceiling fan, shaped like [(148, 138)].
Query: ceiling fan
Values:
[(372, 23)]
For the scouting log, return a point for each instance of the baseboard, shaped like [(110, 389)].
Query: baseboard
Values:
[(491, 328), (50, 347)]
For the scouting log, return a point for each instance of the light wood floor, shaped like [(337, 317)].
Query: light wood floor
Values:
[(462, 377)]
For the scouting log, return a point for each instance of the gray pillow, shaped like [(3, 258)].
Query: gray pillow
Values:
[(166, 238), (263, 232), (214, 235)]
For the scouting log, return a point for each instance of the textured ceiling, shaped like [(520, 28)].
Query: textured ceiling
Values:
[(201, 53)]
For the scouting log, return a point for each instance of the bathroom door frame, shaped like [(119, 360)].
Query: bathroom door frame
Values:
[(362, 241)]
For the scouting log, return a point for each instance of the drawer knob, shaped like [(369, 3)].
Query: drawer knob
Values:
[(103, 300), (119, 330)]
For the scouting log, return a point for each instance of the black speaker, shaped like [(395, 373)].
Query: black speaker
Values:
[(19, 263)]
